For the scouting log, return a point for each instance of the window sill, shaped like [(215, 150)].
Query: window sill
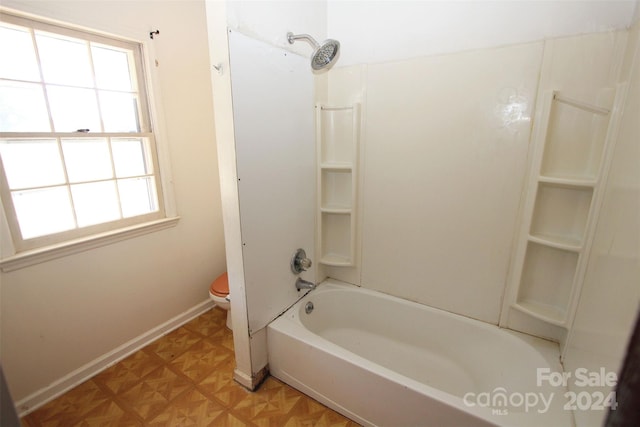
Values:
[(36, 256)]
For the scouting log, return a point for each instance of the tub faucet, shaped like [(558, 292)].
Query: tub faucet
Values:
[(303, 284)]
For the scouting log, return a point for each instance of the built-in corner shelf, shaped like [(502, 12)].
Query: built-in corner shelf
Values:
[(572, 150), (337, 140), (567, 182)]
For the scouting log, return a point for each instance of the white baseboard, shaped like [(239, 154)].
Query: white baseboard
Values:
[(252, 382), (80, 375), (243, 379)]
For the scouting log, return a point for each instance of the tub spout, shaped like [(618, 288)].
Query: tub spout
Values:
[(303, 284)]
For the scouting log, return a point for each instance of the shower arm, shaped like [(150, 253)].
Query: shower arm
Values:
[(293, 37)]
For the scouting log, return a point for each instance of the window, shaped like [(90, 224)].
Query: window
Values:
[(77, 151)]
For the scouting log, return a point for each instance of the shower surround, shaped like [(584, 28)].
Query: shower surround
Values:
[(445, 148)]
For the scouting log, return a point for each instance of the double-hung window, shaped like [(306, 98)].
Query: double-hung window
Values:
[(77, 151)]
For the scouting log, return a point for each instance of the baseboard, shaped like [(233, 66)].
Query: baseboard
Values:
[(260, 376), (252, 382), (80, 375), (243, 379)]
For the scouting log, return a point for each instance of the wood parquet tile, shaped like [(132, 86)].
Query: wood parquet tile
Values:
[(129, 372), (183, 379)]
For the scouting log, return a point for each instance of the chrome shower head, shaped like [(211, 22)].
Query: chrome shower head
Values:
[(324, 55)]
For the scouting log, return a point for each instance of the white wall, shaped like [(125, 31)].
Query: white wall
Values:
[(611, 293), (216, 12), (375, 31), (443, 172), (275, 152), (60, 315), (270, 21)]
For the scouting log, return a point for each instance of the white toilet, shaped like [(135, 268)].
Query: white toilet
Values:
[(219, 293)]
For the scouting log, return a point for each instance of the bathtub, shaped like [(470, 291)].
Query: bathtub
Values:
[(385, 361)]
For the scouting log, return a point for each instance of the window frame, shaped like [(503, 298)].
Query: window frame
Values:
[(22, 252)]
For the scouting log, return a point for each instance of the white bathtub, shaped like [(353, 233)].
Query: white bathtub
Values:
[(385, 361)]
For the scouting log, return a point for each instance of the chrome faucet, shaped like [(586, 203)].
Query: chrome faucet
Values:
[(303, 284)]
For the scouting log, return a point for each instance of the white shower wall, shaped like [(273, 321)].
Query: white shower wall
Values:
[(461, 134), (611, 292), (276, 168), (446, 136), (445, 157), (446, 144)]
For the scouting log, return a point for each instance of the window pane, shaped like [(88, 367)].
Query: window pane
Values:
[(130, 156), (111, 68), (73, 109), (16, 43), (55, 83), (44, 211), (31, 163), (64, 60), (137, 196), (87, 159), (95, 203), (119, 112), (22, 108)]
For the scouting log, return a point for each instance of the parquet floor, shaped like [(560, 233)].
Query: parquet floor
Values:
[(183, 379)]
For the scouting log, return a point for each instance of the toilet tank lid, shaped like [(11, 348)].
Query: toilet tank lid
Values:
[(221, 284)]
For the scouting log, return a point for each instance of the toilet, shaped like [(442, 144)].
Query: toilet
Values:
[(219, 293)]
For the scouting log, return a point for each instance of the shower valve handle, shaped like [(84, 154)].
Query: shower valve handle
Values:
[(305, 263), (300, 262)]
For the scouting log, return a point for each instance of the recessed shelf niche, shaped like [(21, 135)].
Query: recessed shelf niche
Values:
[(336, 239), (575, 139), (337, 139), (336, 190), (560, 214), (336, 126), (547, 279)]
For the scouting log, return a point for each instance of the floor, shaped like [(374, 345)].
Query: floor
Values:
[(183, 379)]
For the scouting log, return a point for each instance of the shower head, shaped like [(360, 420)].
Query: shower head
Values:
[(324, 55)]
